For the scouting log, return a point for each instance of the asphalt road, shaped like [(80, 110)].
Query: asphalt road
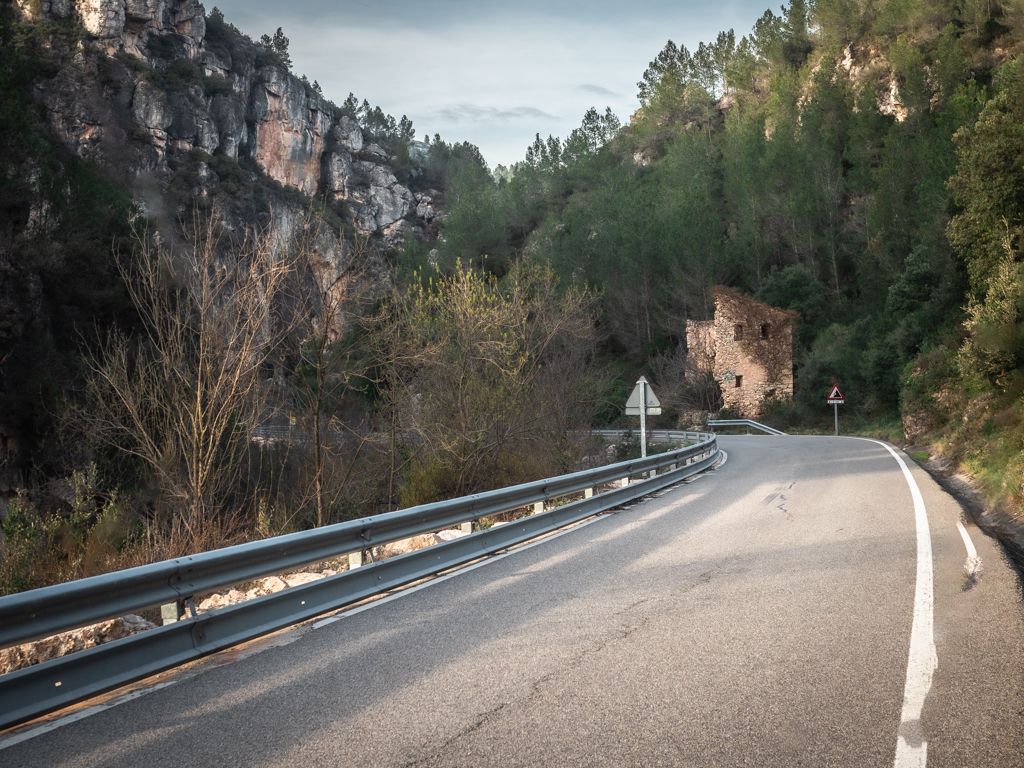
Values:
[(760, 615)]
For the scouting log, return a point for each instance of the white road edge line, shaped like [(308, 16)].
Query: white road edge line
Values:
[(31, 733), (911, 747), (53, 725)]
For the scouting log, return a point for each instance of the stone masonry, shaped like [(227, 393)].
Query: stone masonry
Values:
[(748, 348)]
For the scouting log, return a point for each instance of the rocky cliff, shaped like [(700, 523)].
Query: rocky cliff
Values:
[(183, 108), (106, 103)]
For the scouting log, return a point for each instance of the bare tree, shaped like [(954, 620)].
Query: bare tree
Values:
[(183, 394), (684, 386), (329, 300)]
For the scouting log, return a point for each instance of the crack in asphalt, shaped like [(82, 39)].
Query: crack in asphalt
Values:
[(535, 689)]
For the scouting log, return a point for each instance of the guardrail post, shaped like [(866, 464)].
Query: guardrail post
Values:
[(355, 559), (624, 482), (538, 507), (467, 528), (588, 493), (172, 612)]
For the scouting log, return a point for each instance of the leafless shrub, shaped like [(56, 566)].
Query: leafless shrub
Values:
[(183, 395)]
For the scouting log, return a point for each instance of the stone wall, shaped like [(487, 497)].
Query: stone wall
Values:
[(700, 343), (751, 350)]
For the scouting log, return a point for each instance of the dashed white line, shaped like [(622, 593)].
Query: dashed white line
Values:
[(973, 564)]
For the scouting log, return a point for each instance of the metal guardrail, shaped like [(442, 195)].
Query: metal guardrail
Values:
[(654, 435), (748, 423), (27, 616)]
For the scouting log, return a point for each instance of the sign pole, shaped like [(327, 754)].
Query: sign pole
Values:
[(835, 399), (643, 418), (640, 403)]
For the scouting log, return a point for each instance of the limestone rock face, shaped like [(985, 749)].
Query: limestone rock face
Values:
[(348, 134), (290, 130), (125, 25), (228, 117), (102, 18), (339, 173), (229, 99), (37, 10)]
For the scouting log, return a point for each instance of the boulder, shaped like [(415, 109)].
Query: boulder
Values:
[(297, 579), (273, 584), (449, 534), (213, 602), (48, 648), (404, 546), (348, 134), (393, 202), (377, 152)]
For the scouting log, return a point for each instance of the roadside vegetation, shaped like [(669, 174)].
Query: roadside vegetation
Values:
[(857, 162)]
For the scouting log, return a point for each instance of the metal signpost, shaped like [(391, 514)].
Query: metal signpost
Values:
[(642, 394), (835, 399)]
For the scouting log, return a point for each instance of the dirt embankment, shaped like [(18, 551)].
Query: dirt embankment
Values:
[(1008, 530)]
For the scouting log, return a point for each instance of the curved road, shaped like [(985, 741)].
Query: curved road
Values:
[(760, 615)]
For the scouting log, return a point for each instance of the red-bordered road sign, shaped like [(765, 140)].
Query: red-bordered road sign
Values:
[(835, 397)]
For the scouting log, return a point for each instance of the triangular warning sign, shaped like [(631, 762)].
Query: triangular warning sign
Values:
[(835, 394), (651, 400)]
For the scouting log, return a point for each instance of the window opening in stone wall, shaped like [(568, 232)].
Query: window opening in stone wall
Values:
[(764, 331), (737, 332), (739, 382)]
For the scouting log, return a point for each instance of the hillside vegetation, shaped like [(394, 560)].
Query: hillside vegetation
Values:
[(205, 353), (858, 162), (203, 337)]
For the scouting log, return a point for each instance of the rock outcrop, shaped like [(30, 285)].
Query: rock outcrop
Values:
[(154, 82), (48, 648)]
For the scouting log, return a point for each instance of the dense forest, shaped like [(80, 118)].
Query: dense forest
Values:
[(856, 162)]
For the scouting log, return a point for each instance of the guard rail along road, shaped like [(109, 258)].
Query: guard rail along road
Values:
[(748, 423), (27, 616)]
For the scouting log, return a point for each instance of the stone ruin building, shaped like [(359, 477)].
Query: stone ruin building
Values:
[(747, 347)]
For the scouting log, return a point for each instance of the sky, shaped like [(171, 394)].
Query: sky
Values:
[(494, 74)]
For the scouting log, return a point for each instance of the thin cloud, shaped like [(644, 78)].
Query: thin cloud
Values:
[(462, 113), (598, 90)]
